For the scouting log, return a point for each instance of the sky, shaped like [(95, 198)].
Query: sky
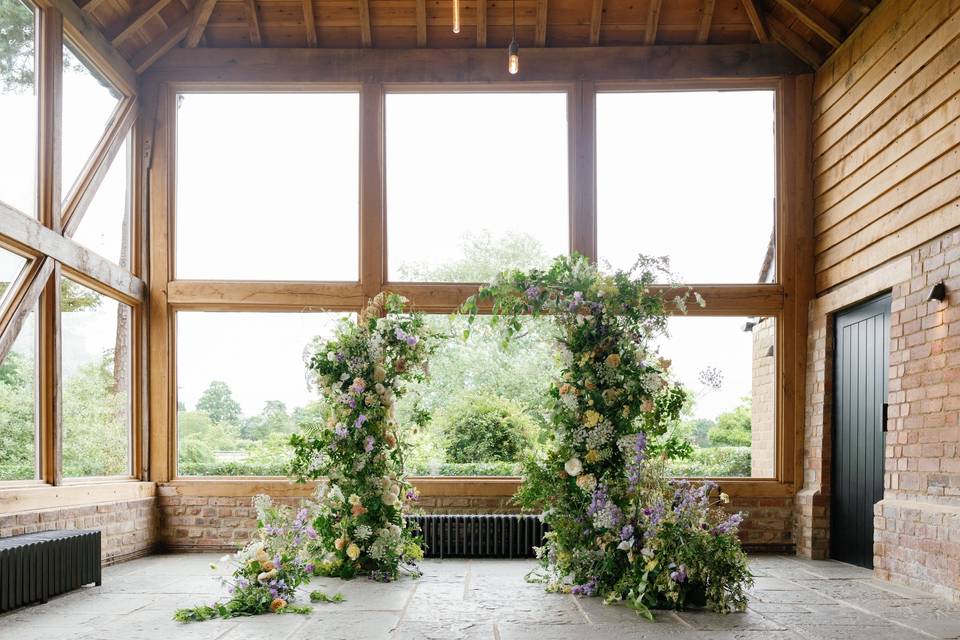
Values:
[(686, 174)]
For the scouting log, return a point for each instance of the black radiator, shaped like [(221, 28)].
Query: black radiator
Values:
[(480, 536), (36, 566)]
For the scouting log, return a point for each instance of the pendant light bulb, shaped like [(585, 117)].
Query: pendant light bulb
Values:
[(456, 16), (513, 58)]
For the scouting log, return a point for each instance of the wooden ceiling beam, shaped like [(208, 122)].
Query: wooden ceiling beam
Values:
[(366, 36), (92, 6), (816, 22), (481, 24), (706, 21), (198, 23), (792, 41), (310, 23), (104, 55), (756, 20), (653, 22), (674, 62), (421, 23), (540, 36), (138, 23), (253, 23), (165, 42), (596, 18)]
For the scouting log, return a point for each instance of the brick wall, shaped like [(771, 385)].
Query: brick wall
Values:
[(128, 528), (917, 524), (763, 452)]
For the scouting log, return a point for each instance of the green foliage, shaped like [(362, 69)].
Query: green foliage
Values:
[(484, 256), (17, 36), (733, 427), (618, 527), (464, 468), (713, 462), (218, 403), (16, 418), (321, 596), (96, 422), (486, 429)]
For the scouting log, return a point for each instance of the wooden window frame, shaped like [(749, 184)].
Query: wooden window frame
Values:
[(443, 71), (47, 240)]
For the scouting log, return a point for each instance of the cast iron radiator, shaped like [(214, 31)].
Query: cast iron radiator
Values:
[(36, 566), (480, 536)]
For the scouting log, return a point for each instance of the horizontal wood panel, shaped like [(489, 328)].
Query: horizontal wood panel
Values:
[(42, 240), (485, 65), (887, 142), (31, 498), (224, 295)]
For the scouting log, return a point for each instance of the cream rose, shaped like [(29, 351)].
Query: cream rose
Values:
[(573, 466), (353, 551), (587, 482)]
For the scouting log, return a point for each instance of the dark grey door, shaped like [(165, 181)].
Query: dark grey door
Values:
[(861, 359)]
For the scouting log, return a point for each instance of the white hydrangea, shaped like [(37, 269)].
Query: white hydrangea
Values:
[(362, 532), (261, 503)]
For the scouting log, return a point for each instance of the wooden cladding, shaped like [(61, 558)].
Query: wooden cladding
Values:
[(887, 138)]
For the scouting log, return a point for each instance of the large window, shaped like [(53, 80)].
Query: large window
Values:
[(242, 389), (18, 418), (690, 175), (96, 383), (105, 227), (476, 183), (268, 186), (728, 366), (18, 105), (485, 404)]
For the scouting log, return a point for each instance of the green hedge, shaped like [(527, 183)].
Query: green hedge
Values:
[(713, 462), (465, 469), (18, 471), (236, 468)]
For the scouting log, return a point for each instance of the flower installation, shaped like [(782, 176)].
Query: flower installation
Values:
[(268, 570), (356, 457), (619, 527)]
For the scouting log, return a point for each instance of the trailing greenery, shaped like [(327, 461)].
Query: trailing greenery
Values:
[(620, 527), (321, 596)]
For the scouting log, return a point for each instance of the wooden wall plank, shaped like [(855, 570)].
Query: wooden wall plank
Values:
[(481, 24)]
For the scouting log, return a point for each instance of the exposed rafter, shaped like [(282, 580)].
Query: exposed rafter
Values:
[(756, 20), (366, 37), (201, 16), (706, 21), (92, 6), (596, 17), (78, 25), (167, 40), (653, 22), (540, 37), (792, 41), (138, 23), (815, 21), (310, 23), (253, 23), (481, 24), (421, 23)]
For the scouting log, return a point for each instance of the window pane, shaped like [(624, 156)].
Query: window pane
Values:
[(488, 404), (18, 106), (729, 366), (89, 101), (105, 227), (690, 175), (18, 432), (476, 183), (268, 186), (11, 265), (242, 389), (96, 382)]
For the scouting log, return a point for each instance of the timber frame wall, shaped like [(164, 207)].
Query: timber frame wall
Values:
[(51, 253), (581, 73)]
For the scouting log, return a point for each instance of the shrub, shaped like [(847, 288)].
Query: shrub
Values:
[(713, 462), (486, 428)]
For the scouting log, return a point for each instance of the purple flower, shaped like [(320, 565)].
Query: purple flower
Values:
[(400, 334), (360, 420), (729, 524), (309, 567), (312, 534), (368, 445), (680, 574), (532, 292), (340, 430), (627, 532), (577, 300), (586, 589), (412, 340)]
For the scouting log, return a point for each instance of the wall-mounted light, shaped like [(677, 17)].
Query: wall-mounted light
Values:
[(456, 16), (938, 293), (513, 51)]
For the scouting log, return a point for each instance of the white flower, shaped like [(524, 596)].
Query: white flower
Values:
[(626, 545), (389, 498), (362, 532), (331, 356), (573, 466)]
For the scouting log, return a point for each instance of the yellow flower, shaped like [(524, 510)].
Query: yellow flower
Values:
[(613, 360), (353, 551), (724, 498), (591, 418), (379, 373), (353, 499), (593, 456), (277, 604), (587, 482)]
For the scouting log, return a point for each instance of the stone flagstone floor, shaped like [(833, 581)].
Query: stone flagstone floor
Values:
[(792, 600)]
